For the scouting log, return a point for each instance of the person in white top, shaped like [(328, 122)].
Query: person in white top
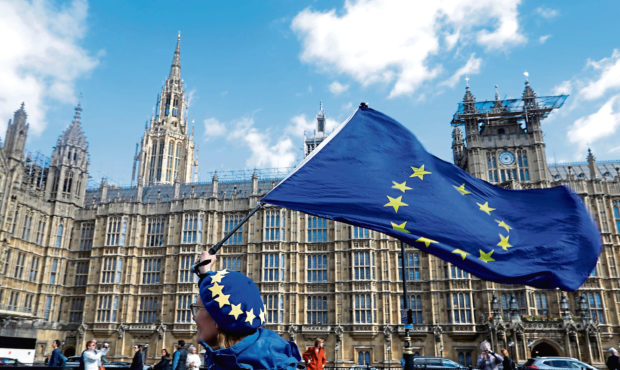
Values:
[(92, 357), (193, 359)]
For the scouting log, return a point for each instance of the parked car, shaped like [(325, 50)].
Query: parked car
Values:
[(545, 363), (116, 364), (436, 363), (73, 361), (7, 361)]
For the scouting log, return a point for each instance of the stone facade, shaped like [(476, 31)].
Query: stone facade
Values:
[(114, 263)]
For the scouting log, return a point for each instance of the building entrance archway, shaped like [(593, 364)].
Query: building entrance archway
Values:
[(544, 349)]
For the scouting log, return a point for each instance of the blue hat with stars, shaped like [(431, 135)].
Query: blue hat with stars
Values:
[(233, 301)]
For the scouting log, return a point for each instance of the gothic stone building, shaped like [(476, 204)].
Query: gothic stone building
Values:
[(114, 263)]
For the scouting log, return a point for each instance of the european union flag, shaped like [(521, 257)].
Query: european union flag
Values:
[(372, 172)]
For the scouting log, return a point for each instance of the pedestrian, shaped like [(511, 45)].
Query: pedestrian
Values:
[(137, 363), (613, 361), (193, 359), (57, 359), (488, 360), (314, 357), (508, 364), (164, 363), (91, 357), (179, 358), (229, 314)]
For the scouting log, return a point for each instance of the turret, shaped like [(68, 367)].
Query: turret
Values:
[(320, 121), (458, 147), (592, 165), (16, 132), (68, 172)]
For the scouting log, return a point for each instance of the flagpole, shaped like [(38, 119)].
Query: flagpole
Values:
[(407, 350), (215, 248)]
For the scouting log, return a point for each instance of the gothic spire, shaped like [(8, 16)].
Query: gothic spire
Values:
[(74, 133), (175, 69), (529, 96), (320, 120), (498, 105), (469, 101)]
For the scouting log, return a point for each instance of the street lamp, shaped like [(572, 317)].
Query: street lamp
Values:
[(583, 309), (565, 308), (514, 309), (495, 306)]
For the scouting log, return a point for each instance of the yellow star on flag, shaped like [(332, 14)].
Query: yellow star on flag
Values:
[(395, 202), (216, 289), (461, 189), (400, 227), (250, 316), (504, 242), (235, 310), (400, 186), (461, 252), (486, 257), (222, 272), (485, 208), (223, 300), (261, 315), (504, 225), (426, 241), (419, 172)]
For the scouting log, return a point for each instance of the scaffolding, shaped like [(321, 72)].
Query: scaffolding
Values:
[(263, 174), (506, 109)]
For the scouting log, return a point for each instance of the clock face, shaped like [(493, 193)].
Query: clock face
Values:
[(506, 158)]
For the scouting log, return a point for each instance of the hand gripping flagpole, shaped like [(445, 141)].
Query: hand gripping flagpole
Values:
[(407, 350), (213, 250)]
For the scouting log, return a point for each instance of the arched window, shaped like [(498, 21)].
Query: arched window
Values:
[(59, 235)]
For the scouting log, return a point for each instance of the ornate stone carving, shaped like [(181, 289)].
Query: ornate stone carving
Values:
[(292, 332), (161, 330), (339, 333), (121, 331)]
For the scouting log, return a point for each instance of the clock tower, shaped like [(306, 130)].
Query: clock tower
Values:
[(501, 141)]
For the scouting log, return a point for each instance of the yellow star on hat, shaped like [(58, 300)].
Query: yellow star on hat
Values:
[(250, 316), (235, 310)]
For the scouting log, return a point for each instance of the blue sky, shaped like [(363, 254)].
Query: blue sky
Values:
[(255, 71)]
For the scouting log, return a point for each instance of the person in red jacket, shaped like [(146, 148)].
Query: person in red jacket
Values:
[(315, 356)]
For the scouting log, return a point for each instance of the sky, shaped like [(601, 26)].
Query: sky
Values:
[(255, 72)]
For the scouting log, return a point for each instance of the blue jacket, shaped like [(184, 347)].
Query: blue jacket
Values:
[(264, 349), (56, 359)]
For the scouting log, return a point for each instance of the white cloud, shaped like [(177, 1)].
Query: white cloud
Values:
[(542, 39), (337, 88), (263, 153), (609, 78), (564, 88), (41, 57), (586, 130), (471, 67), (213, 128), (266, 149), (547, 13), (348, 41), (301, 124)]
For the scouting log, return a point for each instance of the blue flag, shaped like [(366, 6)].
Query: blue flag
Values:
[(372, 172)]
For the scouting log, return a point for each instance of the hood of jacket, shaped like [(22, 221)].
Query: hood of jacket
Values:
[(264, 349)]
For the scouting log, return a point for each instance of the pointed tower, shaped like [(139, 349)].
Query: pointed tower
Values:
[(167, 151), (68, 172), (311, 142), (16, 133), (592, 165)]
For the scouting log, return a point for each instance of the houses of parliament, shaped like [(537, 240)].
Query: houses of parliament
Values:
[(114, 263)]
